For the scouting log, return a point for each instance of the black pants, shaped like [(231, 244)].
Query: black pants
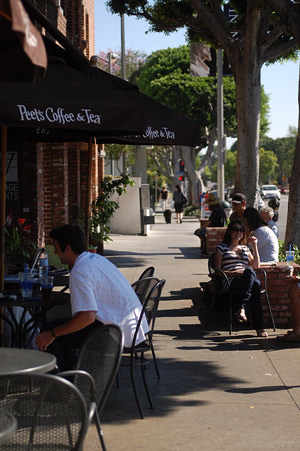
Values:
[(65, 348), (249, 287)]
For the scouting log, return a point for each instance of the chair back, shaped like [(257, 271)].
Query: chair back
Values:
[(100, 356), (51, 413), (218, 277), (147, 273), (142, 287), (150, 307)]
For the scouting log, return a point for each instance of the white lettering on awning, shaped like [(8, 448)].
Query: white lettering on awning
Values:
[(58, 115), (163, 132)]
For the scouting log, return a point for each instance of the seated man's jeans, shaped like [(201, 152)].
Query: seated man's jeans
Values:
[(249, 287), (65, 347)]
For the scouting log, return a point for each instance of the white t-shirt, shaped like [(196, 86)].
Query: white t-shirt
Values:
[(267, 244), (97, 285)]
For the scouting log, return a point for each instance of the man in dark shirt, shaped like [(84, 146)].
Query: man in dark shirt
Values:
[(217, 218)]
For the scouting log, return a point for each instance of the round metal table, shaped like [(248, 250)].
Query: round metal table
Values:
[(17, 360), (8, 425)]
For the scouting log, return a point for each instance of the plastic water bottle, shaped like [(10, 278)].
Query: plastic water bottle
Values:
[(43, 264)]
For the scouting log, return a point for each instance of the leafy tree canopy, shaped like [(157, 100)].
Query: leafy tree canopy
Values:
[(165, 77)]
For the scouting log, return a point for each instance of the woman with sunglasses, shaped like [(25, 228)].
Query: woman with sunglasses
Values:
[(238, 263)]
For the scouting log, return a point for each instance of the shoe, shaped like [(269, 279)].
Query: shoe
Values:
[(241, 316), (291, 337), (180, 221), (262, 333)]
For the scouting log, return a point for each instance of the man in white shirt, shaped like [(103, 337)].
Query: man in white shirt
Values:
[(99, 292)]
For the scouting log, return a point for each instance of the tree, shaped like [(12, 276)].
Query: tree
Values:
[(252, 35), (267, 165), (284, 149), (165, 77), (134, 61)]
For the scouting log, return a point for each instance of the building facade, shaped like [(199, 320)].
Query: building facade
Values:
[(47, 183)]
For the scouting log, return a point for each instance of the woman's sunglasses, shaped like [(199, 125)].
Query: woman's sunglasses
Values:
[(237, 229)]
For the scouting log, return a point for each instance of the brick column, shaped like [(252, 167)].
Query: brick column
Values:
[(74, 181), (53, 193)]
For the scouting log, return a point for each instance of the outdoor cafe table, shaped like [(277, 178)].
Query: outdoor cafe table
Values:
[(61, 279), (16, 360), (8, 425), (37, 308)]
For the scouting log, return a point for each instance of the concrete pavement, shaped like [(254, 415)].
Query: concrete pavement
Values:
[(216, 391)]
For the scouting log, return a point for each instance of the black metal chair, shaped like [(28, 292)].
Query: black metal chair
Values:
[(222, 287), (147, 273), (137, 351), (51, 412), (143, 286), (96, 367)]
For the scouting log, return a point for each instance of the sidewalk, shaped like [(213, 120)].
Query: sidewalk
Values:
[(217, 392)]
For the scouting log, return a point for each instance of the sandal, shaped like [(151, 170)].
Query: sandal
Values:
[(241, 316), (262, 333)]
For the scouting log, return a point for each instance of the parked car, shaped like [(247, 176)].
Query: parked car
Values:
[(268, 191)]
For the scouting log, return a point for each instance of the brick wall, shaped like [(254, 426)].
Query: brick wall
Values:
[(80, 24), (214, 236), (278, 295)]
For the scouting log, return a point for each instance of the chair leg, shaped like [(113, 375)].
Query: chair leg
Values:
[(154, 359), (270, 310), (99, 430), (134, 387), (210, 311), (230, 314), (145, 381)]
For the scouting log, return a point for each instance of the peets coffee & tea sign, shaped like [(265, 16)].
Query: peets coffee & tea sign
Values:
[(58, 116)]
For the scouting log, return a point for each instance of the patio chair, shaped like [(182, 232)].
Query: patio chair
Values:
[(51, 412), (136, 352), (147, 273), (142, 287), (96, 367), (222, 287)]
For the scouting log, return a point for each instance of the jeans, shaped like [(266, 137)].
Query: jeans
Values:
[(65, 347), (249, 287)]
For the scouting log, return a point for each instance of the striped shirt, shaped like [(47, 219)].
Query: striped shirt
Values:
[(233, 261)]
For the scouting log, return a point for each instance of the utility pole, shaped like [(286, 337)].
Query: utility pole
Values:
[(220, 121), (123, 67)]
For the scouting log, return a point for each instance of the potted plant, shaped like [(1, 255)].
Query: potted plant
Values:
[(103, 208), (19, 248)]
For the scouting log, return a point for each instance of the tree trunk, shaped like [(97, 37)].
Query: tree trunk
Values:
[(292, 234), (248, 117), (196, 184)]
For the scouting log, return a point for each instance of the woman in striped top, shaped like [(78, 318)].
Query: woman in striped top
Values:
[(238, 263)]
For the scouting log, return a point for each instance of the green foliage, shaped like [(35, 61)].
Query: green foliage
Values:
[(190, 210), (103, 208), (284, 149), (16, 239), (115, 152), (165, 77), (267, 165), (282, 257)]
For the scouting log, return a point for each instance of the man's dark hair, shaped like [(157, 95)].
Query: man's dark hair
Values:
[(71, 234), (253, 218)]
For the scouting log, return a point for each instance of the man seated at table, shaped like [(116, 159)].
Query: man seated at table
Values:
[(99, 292), (293, 284)]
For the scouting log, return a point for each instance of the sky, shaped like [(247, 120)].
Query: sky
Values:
[(280, 81)]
